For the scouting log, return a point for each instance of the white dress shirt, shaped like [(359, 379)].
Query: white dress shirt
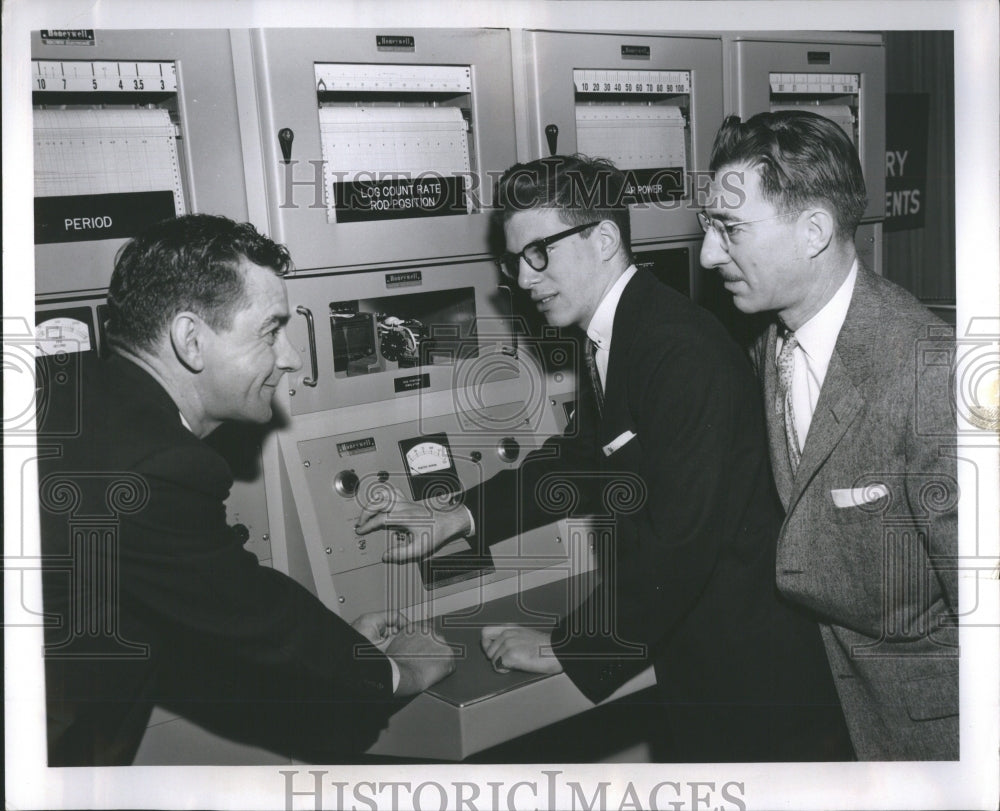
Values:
[(817, 339), (603, 321)]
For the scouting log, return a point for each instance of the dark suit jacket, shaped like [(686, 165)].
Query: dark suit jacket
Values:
[(151, 598), (881, 575), (688, 578)]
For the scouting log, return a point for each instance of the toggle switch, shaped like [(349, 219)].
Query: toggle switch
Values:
[(552, 136), (285, 138)]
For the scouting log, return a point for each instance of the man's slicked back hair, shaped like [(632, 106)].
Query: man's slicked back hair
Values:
[(801, 158), (190, 263)]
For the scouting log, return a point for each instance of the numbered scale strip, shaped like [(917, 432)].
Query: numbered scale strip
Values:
[(54, 76), (815, 82), (632, 81), (393, 78)]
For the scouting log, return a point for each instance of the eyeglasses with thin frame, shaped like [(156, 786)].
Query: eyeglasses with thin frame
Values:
[(725, 231), (536, 253)]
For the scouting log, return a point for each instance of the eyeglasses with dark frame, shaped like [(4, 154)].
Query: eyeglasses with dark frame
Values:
[(724, 229), (536, 253)]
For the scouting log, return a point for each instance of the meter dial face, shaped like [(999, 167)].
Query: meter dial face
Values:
[(62, 335), (429, 466), (428, 457)]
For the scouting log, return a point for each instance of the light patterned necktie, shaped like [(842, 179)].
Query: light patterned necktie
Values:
[(590, 357), (786, 362)]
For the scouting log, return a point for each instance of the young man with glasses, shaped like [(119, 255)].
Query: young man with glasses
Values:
[(669, 409), (859, 414)]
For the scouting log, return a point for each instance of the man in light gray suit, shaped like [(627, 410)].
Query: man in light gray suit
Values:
[(860, 422)]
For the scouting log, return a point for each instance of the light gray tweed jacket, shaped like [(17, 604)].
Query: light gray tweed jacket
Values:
[(880, 571)]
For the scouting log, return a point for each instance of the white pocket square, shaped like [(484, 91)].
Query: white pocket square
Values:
[(618, 442), (855, 497)]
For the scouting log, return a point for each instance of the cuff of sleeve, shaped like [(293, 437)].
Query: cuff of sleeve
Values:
[(468, 514), (395, 674)]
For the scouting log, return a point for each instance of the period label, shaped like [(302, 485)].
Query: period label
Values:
[(90, 217)]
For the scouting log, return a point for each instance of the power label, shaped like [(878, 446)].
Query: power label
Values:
[(654, 185)]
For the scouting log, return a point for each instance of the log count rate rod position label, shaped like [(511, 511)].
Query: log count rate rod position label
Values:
[(431, 196)]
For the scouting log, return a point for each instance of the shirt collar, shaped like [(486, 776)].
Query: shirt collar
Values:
[(601, 325), (818, 336)]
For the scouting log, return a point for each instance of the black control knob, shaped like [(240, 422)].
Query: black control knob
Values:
[(508, 449), (241, 532), (346, 483), (552, 136), (285, 138)]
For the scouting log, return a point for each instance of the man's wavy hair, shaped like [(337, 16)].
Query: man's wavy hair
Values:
[(580, 188), (190, 263), (802, 158)]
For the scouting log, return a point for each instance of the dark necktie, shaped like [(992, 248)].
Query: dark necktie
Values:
[(590, 356), (786, 362)]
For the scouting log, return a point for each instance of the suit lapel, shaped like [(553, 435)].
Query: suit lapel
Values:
[(838, 405), (841, 399)]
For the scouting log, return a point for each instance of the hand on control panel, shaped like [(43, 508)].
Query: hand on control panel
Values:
[(422, 658), (420, 529), (511, 647)]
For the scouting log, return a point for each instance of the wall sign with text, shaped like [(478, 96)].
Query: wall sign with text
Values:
[(906, 123)]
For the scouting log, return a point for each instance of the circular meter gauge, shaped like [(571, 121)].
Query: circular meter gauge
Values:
[(62, 335), (429, 465), (428, 457)]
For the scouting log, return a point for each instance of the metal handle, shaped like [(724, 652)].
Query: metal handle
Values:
[(313, 379)]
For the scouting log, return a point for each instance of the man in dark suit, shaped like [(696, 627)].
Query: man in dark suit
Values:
[(860, 426), (150, 595), (669, 416)]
